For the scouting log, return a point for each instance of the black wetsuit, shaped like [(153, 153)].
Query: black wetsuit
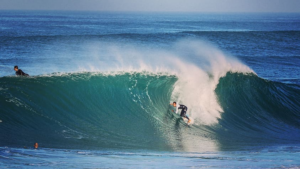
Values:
[(21, 73), (183, 111)]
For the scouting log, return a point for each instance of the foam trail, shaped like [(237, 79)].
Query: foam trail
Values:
[(197, 64)]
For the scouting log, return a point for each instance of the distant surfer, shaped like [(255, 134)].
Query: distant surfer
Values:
[(19, 72), (36, 145), (183, 111)]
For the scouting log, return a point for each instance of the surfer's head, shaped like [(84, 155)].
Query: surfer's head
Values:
[(16, 68), (36, 145), (174, 104)]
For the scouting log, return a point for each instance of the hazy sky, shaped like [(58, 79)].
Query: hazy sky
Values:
[(156, 5)]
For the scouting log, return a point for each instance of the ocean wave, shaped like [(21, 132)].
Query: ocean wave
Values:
[(131, 110)]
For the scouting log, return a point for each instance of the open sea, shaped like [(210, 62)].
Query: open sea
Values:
[(101, 84)]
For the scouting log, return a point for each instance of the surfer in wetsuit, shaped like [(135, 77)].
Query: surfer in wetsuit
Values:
[(183, 111), (19, 72)]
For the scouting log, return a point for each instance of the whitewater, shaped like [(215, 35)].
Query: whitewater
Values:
[(102, 94)]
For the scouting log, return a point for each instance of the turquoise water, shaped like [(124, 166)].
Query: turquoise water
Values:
[(101, 85)]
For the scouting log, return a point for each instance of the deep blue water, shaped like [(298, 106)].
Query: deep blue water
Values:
[(101, 84)]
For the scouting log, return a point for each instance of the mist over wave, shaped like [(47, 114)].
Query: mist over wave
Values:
[(197, 64)]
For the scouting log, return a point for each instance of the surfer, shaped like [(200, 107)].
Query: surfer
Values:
[(19, 72), (183, 111)]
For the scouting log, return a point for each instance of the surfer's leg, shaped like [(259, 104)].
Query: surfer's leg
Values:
[(186, 116), (183, 114)]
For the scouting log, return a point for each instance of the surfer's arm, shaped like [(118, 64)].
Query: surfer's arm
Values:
[(174, 109)]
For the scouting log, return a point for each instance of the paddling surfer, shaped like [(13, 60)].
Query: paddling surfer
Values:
[(19, 72)]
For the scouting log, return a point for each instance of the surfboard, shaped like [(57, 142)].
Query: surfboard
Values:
[(186, 120), (0, 121)]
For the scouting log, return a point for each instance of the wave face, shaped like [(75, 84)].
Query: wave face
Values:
[(257, 110), (131, 111), (91, 110)]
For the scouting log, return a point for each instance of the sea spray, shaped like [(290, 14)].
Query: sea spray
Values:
[(197, 64)]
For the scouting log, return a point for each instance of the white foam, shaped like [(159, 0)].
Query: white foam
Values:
[(198, 80)]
